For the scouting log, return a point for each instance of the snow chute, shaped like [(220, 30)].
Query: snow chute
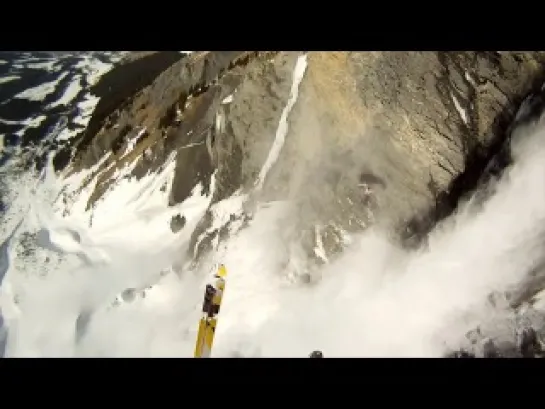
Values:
[(210, 310)]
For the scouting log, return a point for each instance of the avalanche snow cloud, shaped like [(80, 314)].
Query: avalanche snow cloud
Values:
[(375, 300), (123, 286)]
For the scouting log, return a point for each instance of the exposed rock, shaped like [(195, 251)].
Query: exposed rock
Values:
[(82, 324), (393, 138), (136, 71), (135, 55), (128, 295), (509, 333), (174, 114), (3, 336), (241, 147), (177, 223), (413, 129), (528, 345)]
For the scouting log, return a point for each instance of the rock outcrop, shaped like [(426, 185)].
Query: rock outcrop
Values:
[(405, 132), (115, 88), (392, 138), (515, 334)]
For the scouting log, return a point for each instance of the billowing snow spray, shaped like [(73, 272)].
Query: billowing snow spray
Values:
[(210, 310)]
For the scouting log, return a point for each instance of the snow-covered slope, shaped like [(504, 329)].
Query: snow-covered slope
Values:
[(44, 90), (116, 281)]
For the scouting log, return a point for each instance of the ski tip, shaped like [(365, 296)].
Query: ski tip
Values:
[(222, 271)]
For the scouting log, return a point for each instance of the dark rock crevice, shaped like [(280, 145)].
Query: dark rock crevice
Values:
[(482, 162)]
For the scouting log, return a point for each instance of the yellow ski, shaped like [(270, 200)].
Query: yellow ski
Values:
[(210, 310)]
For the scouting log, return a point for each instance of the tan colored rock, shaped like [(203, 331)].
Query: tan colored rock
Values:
[(401, 125), (375, 137)]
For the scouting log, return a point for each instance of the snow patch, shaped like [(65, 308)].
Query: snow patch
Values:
[(470, 79), (8, 122), (86, 108), (461, 111), (93, 68), (319, 250), (223, 212), (48, 65), (73, 196), (41, 91), (69, 93), (190, 145), (9, 78), (539, 301), (219, 122), (228, 99), (132, 141), (31, 123)]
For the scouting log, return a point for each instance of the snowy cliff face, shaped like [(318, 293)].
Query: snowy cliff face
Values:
[(307, 175), (364, 138)]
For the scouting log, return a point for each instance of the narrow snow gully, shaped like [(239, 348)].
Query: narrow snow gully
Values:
[(282, 130)]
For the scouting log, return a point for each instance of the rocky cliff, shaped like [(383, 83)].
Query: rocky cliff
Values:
[(386, 138)]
